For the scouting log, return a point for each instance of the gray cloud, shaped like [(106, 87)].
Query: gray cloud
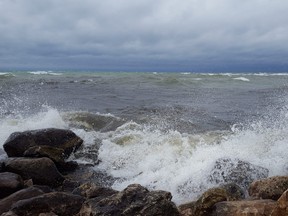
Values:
[(144, 34)]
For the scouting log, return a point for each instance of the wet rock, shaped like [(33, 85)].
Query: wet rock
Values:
[(41, 170), (6, 203), (2, 166), (55, 154), (245, 207), (86, 173), (59, 203), (9, 183), (91, 190), (236, 171), (270, 188), (282, 205), (19, 142), (234, 192), (204, 205), (134, 200)]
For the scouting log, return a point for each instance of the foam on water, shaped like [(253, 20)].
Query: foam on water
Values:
[(48, 117), (242, 79), (181, 163), (171, 161), (44, 73)]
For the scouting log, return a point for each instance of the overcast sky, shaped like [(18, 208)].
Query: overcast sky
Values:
[(144, 35)]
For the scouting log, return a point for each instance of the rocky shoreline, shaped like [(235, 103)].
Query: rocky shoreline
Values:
[(37, 179)]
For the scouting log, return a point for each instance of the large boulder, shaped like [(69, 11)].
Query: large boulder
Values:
[(18, 142), (134, 200), (41, 170), (59, 203), (236, 171), (270, 188), (10, 183), (55, 154), (6, 203)]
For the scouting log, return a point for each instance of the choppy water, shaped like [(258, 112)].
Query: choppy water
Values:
[(162, 130)]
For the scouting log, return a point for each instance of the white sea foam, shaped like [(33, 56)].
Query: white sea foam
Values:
[(242, 79), (44, 73), (171, 161), (181, 163), (49, 117), (6, 74)]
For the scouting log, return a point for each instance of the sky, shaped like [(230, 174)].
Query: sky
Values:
[(144, 35)]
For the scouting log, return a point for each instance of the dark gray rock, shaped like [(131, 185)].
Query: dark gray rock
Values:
[(134, 200), (6, 203), (55, 154), (91, 190), (10, 183), (59, 203), (236, 171), (19, 142), (42, 171)]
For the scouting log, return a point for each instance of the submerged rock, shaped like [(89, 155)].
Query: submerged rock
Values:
[(134, 200), (10, 183), (236, 171), (270, 188), (41, 170), (18, 142)]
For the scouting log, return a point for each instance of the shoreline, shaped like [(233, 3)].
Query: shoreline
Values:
[(74, 185)]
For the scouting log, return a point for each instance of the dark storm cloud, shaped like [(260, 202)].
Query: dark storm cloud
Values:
[(163, 34)]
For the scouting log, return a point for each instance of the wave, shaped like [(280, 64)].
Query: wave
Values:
[(179, 162), (242, 79), (243, 74), (44, 73), (6, 74)]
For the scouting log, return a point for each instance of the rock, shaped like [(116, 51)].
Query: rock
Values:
[(9, 183), (90, 190), (2, 166), (236, 171), (270, 188), (9, 214), (134, 200), (234, 192), (18, 142), (85, 173), (59, 203), (41, 170), (204, 205), (245, 207), (282, 205), (6, 203), (55, 154)]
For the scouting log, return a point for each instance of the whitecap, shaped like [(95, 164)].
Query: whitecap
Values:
[(44, 73), (242, 79)]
